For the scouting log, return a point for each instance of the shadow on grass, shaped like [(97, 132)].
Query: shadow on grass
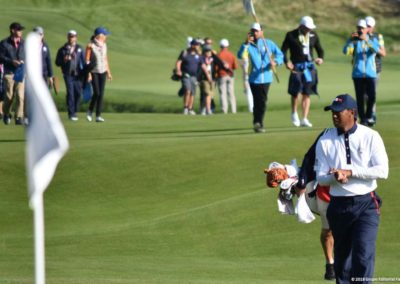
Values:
[(218, 132), (12, 141)]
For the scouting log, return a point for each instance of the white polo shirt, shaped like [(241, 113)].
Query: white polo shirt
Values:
[(360, 150)]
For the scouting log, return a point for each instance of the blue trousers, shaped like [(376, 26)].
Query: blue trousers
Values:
[(73, 85), (354, 223)]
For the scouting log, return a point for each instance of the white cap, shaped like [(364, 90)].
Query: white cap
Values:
[(224, 42), (361, 23), (188, 41), (370, 21), (308, 22), (72, 33), (39, 30), (256, 26)]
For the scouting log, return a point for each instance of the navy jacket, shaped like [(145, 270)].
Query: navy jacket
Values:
[(9, 53), (307, 172), (74, 66), (46, 61)]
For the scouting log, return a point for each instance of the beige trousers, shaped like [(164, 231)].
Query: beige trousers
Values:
[(226, 92), (13, 90)]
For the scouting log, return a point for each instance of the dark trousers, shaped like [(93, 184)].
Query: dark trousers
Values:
[(365, 87), (73, 85), (354, 223), (98, 84), (260, 97)]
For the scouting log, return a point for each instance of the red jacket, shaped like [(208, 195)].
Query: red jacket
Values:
[(227, 57)]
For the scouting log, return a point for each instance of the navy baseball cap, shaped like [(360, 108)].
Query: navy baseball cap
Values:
[(16, 26), (342, 102), (101, 30), (195, 42)]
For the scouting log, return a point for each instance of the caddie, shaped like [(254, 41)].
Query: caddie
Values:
[(363, 49), (318, 198)]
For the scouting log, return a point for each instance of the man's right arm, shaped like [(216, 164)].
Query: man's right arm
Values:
[(243, 48), (59, 58), (3, 54), (324, 174)]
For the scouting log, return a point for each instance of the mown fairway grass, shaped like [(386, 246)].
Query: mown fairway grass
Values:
[(158, 197), (163, 198)]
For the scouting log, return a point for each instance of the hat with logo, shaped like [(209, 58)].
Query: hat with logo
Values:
[(342, 102), (370, 21), (101, 30), (308, 22), (362, 23), (256, 26), (16, 26)]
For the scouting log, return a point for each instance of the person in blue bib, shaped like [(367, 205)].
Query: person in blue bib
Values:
[(363, 49), (263, 55)]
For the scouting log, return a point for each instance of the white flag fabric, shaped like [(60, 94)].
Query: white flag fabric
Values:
[(249, 7), (46, 138)]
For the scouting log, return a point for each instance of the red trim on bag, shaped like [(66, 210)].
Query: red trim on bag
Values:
[(378, 210), (323, 192)]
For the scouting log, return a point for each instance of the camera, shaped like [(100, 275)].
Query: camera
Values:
[(250, 36), (356, 35)]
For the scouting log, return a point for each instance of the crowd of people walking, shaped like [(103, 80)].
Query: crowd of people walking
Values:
[(80, 67), (301, 51)]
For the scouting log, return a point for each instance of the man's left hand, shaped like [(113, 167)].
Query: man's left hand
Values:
[(319, 61)]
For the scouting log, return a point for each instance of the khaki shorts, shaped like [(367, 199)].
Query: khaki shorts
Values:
[(207, 88)]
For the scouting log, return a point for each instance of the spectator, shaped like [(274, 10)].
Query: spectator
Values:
[(260, 51), (96, 56), (187, 67), (12, 56), (206, 75), (70, 57), (244, 63), (207, 41), (226, 82), (46, 58), (370, 21), (303, 74), (363, 48)]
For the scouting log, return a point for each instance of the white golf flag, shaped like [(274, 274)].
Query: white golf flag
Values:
[(249, 7), (46, 144), (46, 138)]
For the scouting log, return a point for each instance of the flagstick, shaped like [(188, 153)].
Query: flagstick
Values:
[(46, 144), (39, 238), (249, 7)]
